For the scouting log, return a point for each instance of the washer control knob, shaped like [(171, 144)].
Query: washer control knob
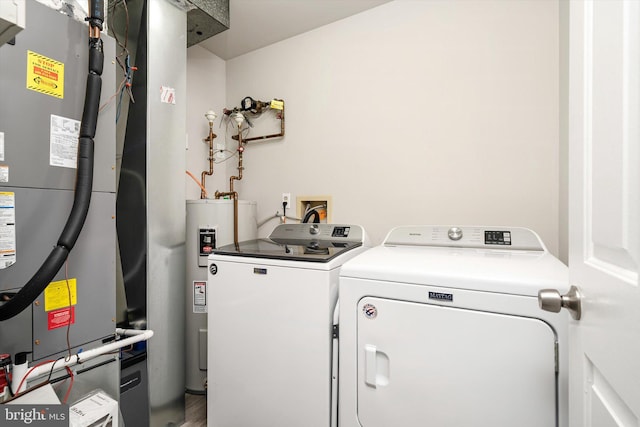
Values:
[(314, 229), (455, 233)]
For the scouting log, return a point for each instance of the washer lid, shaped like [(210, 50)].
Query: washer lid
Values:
[(313, 250), (300, 242)]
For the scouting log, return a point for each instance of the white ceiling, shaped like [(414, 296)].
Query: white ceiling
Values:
[(259, 23)]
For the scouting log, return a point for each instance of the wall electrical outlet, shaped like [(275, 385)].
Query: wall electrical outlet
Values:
[(286, 197)]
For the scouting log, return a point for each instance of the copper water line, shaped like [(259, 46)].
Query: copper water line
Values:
[(275, 135), (233, 193), (94, 32), (210, 172), (240, 167)]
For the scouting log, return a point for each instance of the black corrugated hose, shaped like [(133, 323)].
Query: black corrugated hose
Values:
[(84, 176)]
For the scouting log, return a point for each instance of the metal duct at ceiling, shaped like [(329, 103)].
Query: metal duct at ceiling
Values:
[(206, 19)]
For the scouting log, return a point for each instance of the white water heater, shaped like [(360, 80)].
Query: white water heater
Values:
[(209, 226)]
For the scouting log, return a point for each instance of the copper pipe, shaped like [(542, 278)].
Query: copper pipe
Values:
[(210, 172), (233, 193), (275, 135), (94, 32), (235, 221), (259, 138), (95, 19), (240, 169)]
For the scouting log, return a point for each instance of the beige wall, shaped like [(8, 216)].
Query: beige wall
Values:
[(563, 226), (415, 112)]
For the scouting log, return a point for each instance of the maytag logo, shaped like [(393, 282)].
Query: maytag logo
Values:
[(439, 296), (35, 415)]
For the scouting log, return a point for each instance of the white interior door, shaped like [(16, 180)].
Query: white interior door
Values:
[(604, 199)]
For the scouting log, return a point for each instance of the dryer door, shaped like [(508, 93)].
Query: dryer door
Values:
[(422, 364)]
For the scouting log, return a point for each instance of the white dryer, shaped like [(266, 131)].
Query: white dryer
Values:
[(441, 327), (271, 315)]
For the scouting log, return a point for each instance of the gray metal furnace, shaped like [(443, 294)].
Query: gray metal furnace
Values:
[(42, 82)]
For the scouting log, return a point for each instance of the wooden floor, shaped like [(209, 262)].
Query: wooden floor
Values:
[(196, 410)]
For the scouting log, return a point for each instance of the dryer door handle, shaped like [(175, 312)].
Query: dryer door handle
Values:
[(370, 369), (376, 366)]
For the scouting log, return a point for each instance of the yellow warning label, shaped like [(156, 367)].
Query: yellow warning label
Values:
[(56, 295), (277, 105), (45, 75)]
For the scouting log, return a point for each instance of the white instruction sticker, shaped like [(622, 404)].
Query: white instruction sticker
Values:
[(63, 149), (167, 95), (1, 146), (199, 296), (7, 229), (4, 173)]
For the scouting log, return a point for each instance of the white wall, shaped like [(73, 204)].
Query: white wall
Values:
[(415, 112), (206, 90)]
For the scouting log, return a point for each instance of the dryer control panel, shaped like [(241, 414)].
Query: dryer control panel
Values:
[(486, 237)]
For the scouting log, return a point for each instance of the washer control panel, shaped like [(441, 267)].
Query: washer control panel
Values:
[(340, 232), (455, 233), (497, 237), (322, 231)]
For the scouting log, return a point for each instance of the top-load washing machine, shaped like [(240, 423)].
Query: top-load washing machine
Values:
[(271, 316), (440, 326)]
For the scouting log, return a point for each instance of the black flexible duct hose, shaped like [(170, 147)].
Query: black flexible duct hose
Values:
[(84, 177), (312, 213)]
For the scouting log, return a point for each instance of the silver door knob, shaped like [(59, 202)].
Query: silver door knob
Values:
[(551, 300)]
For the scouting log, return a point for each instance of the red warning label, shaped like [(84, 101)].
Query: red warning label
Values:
[(45, 73), (61, 317)]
